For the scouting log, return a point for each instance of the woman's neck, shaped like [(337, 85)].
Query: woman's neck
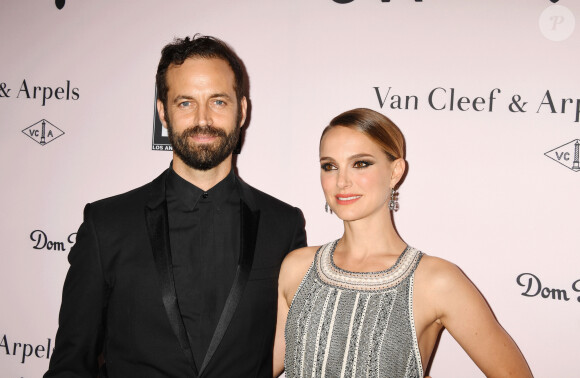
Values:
[(372, 235)]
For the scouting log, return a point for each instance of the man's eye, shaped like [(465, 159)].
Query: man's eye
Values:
[(361, 164), (220, 102), (184, 104), (327, 167)]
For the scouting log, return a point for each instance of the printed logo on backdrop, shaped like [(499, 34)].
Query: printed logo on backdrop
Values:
[(557, 23), (43, 132), (534, 288), (22, 350), (567, 154), (160, 138), (41, 241), (30, 91), (449, 99)]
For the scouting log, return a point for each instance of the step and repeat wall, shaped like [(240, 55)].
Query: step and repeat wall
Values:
[(486, 92)]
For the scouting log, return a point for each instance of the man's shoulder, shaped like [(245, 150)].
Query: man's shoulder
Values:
[(266, 201), (281, 223), (136, 197)]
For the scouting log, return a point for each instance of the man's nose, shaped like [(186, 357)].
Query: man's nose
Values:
[(204, 116)]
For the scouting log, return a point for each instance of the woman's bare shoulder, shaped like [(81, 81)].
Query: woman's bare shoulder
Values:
[(440, 274), (293, 270), (298, 260), (444, 287), (435, 265)]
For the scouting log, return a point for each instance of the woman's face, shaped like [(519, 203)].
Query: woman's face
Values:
[(356, 174)]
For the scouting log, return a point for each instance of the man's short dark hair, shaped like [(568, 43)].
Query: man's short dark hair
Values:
[(199, 46)]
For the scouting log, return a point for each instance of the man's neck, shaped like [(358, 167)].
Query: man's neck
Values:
[(204, 180)]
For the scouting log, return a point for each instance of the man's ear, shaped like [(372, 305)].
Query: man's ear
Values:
[(244, 106), (161, 112), (398, 170)]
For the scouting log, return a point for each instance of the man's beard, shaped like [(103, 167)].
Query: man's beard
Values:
[(205, 156)]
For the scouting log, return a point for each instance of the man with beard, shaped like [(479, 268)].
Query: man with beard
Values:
[(178, 278)]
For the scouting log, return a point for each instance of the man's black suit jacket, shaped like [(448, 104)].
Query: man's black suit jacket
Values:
[(119, 296)]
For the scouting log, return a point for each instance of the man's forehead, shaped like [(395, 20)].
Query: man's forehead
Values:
[(195, 60), (200, 73)]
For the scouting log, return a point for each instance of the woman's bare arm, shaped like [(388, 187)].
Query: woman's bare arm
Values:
[(293, 269), (461, 309)]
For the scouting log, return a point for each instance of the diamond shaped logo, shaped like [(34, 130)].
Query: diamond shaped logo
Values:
[(567, 154), (43, 132)]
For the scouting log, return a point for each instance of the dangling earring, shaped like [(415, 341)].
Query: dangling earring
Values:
[(327, 208), (394, 202)]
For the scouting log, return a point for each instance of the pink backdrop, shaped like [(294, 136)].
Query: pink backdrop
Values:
[(492, 184)]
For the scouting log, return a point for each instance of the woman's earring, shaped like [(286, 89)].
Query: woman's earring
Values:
[(327, 208), (394, 202)]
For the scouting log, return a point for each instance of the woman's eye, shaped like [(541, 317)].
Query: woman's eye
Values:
[(327, 167), (361, 164)]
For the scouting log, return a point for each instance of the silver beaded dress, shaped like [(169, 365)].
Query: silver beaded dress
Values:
[(348, 324)]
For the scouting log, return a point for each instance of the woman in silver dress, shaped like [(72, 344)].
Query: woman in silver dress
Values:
[(368, 304)]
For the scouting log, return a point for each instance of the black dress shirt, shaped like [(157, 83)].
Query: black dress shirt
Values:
[(204, 232)]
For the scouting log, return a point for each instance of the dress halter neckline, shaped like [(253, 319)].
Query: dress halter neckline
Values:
[(333, 275), (384, 271)]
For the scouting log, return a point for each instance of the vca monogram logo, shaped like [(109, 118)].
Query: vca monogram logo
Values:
[(43, 132), (567, 154)]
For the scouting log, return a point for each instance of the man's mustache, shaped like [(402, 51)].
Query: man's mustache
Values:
[(203, 130)]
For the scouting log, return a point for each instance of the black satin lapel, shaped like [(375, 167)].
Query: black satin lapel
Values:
[(249, 232), (158, 227)]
